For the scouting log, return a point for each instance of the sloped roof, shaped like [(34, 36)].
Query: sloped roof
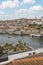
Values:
[(32, 60)]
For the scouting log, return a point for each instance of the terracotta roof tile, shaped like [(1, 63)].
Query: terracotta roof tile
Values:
[(33, 60)]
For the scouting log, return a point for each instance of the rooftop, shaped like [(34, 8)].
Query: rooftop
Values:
[(32, 60)]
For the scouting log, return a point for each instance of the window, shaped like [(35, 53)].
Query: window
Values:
[(34, 53), (29, 53)]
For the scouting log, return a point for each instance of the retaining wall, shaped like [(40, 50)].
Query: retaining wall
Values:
[(22, 55)]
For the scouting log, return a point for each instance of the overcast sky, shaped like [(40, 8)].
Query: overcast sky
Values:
[(13, 9)]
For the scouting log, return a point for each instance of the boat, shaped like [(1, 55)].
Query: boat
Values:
[(35, 35)]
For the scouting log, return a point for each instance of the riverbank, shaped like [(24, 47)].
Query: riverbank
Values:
[(29, 34), (34, 42)]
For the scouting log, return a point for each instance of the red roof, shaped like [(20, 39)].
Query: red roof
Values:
[(33, 60)]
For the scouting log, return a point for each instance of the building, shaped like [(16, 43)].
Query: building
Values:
[(25, 56), (33, 60)]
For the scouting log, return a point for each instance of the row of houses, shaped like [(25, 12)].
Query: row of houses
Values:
[(21, 25)]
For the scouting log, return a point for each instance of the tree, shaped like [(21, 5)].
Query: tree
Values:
[(1, 51)]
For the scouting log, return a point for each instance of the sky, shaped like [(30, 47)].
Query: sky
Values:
[(14, 9)]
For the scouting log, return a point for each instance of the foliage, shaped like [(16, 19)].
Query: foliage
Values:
[(1, 51), (8, 46), (20, 46)]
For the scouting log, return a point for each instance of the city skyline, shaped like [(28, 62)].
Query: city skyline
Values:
[(13, 9)]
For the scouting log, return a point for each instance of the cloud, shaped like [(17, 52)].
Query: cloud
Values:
[(24, 10), (6, 16), (21, 11), (1, 12), (27, 1), (36, 8), (29, 13), (9, 4)]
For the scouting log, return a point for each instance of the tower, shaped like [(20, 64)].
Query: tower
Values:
[(35, 18), (42, 18)]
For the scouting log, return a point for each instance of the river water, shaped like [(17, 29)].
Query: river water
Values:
[(35, 42)]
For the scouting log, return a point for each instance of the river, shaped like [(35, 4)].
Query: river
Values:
[(35, 42)]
